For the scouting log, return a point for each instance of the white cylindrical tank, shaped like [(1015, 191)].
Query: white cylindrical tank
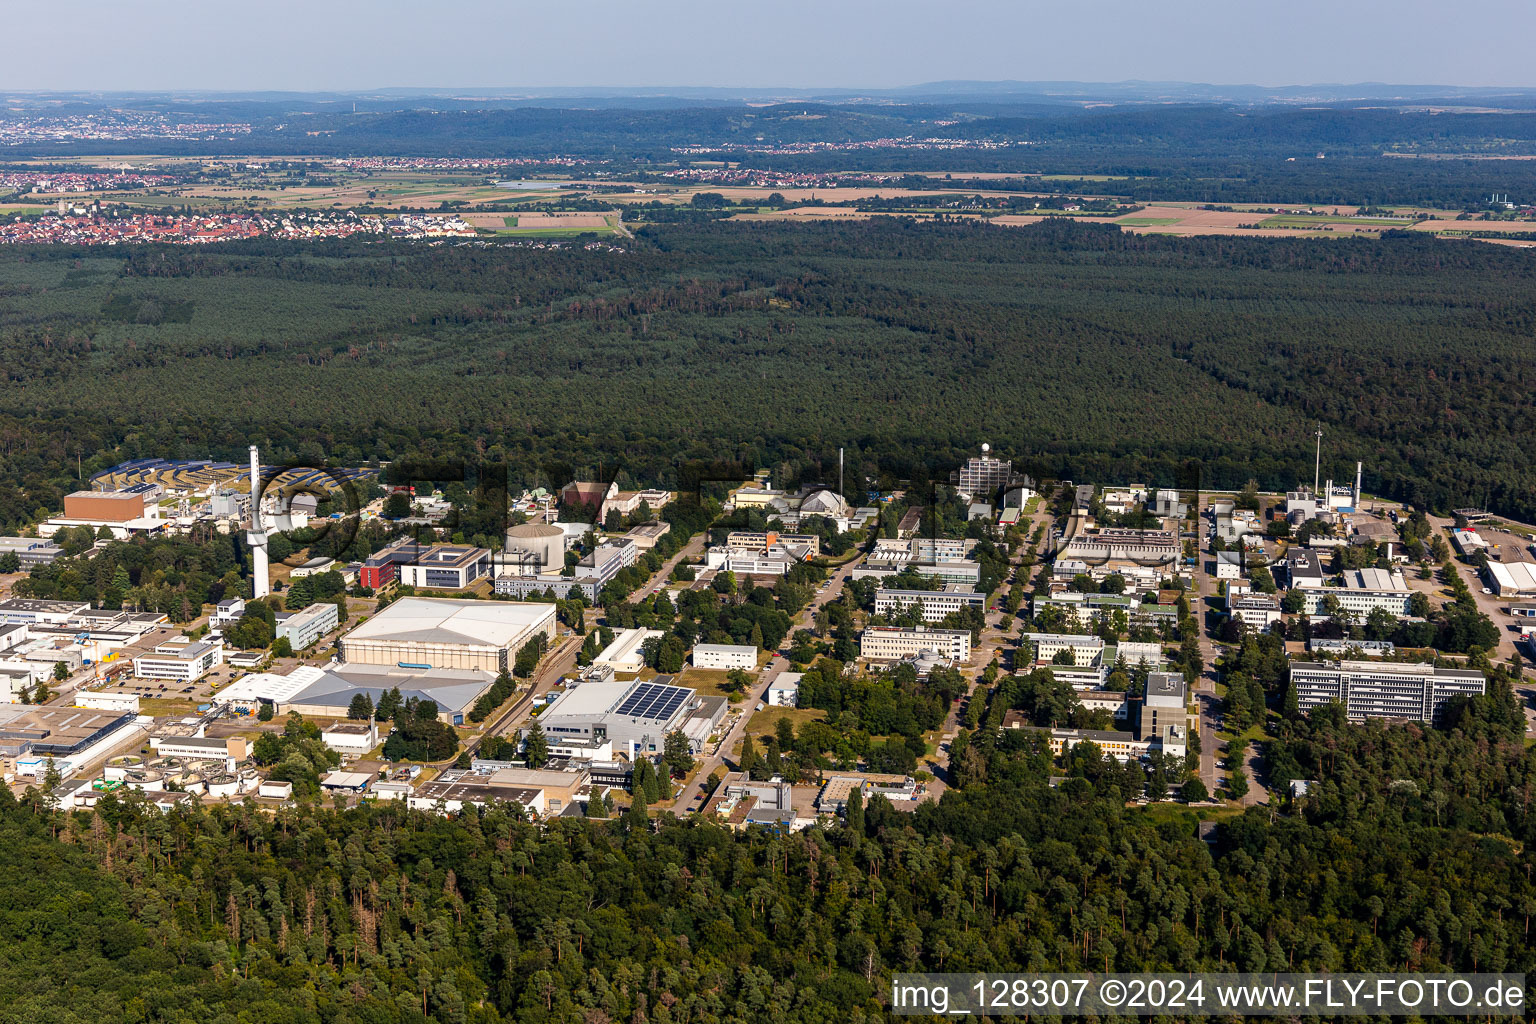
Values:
[(145, 781), (224, 785), (543, 543)]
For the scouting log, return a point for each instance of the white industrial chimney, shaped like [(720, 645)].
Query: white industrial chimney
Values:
[(256, 537), (1359, 472)]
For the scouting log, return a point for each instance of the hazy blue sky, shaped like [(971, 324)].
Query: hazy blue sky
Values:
[(368, 44)]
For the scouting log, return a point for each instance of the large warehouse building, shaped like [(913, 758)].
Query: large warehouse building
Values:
[(428, 632), (328, 692)]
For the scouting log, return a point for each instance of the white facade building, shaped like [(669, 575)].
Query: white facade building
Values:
[(890, 643), (725, 656)]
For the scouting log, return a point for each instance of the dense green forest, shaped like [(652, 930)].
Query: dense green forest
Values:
[(1080, 351), (382, 914)]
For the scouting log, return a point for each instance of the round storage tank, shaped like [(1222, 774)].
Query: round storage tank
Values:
[(119, 767), (223, 785), (193, 783), (145, 781), (542, 545)]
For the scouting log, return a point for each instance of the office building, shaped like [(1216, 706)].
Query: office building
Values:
[(1084, 609), (1363, 592), (891, 643), (984, 476), (424, 632), (1257, 611), (30, 551), (181, 661), (725, 656), (1383, 690), (784, 691), (446, 567), (304, 627), (935, 604), (1164, 702)]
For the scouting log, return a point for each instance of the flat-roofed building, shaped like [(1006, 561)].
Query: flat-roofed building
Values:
[(1084, 609), (54, 731), (725, 656), (645, 535), (104, 506), (1257, 611), (304, 627), (984, 475), (448, 633), (892, 643), (634, 716), (180, 662), (25, 611), (1164, 702), (833, 798), (1084, 649), (624, 655), (1416, 692), (1304, 567), (1364, 591), (30, 551), (354, 738), (446, 567), (229, 749), (935, 604)]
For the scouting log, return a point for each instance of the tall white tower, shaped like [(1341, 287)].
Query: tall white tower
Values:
[(256, 537)]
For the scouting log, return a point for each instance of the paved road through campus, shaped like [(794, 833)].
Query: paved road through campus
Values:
[(780, 664)]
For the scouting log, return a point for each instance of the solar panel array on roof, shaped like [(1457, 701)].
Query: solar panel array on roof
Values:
[(654, 701)]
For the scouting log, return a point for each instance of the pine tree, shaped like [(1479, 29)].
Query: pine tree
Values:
[(536, 746)]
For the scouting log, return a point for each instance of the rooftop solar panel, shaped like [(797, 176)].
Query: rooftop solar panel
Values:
[(652, 700)]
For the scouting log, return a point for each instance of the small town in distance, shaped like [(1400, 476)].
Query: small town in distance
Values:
[(762, 652)]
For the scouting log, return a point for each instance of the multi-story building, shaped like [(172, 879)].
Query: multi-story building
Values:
[(725, 656), (890, 643), (1163, 703), (1257, 611), (1119, 544), (304, 627), (985, 475), (446, 567), (30, 551), (935, 604), (1083, 609), (1363, 592), (1383, 689), (180, 662), (383, 566)]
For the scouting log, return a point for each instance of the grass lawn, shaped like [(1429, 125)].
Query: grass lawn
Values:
[(163, 706), (766, 721), (708, 681)]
